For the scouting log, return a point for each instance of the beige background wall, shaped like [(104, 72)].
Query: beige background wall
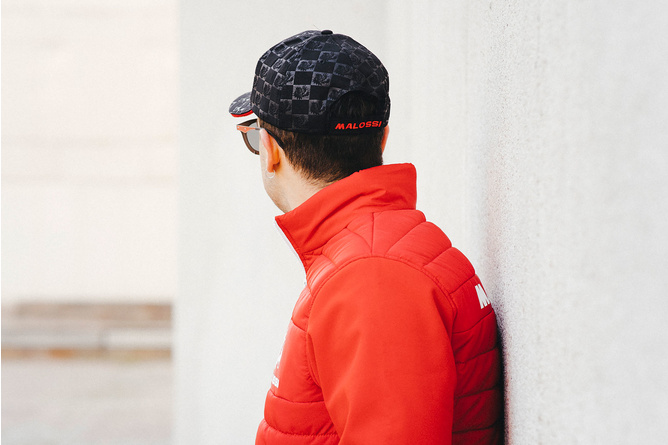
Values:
[(89, 150), (238, 279)]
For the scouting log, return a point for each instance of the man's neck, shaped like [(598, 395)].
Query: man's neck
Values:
[(298, 190)]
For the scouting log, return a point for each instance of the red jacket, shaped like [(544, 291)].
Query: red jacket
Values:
[(393, 340)]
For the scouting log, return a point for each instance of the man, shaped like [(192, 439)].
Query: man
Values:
[(393, 340)]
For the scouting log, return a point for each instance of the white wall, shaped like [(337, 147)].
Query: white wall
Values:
[(238, 279), (568, 150), (89, 150), (538, 131)]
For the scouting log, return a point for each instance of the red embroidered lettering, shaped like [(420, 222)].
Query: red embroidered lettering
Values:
[(358, 125)]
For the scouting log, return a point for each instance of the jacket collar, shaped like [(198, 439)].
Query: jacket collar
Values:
[(309, 226)]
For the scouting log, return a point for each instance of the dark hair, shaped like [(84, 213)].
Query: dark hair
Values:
[(328, 158)]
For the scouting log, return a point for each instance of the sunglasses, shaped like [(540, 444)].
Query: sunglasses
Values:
[(251, 137)]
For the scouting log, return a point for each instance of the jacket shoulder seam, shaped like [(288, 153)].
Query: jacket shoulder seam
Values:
[(419, 268), (316, 291)]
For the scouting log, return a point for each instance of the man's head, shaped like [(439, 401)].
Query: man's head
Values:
[(325, 99)]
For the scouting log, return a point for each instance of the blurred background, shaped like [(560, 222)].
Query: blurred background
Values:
[(146, 291), (89, 217)]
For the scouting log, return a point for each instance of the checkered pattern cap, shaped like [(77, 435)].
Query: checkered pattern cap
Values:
[(297, 81)]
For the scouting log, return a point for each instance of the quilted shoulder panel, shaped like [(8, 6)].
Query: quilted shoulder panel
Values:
[(399, 234)]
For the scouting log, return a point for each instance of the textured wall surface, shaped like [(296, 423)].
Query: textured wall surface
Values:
[(538, 130), (89, 150), (567, 211)]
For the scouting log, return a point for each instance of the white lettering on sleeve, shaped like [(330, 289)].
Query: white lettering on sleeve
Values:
[(482, 296)]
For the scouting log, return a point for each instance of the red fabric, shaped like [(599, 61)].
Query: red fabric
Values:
[(392, 340)]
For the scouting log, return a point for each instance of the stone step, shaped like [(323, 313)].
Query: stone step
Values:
[(86, 329)]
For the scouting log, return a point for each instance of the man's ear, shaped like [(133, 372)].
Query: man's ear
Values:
[(271, 149), (386, 133)]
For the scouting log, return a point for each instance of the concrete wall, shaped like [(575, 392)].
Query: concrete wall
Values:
[(567, 212), (238, 279), (89, 150), (538, 129)]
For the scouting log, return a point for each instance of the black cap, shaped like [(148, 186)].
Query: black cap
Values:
[(297, 81)]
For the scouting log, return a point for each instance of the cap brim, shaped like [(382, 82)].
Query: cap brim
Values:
[(241, 106)]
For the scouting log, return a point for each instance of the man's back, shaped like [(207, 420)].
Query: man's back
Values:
[(393, 340)]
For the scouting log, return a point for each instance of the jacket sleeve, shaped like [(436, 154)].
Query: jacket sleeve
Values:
[(379, 347)]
